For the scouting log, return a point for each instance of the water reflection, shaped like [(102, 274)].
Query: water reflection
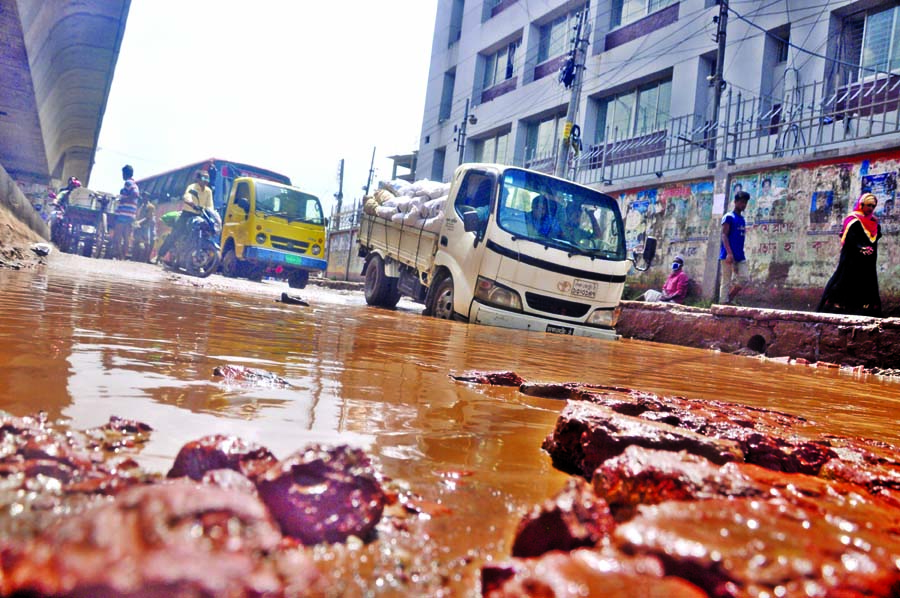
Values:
[(85, 347)]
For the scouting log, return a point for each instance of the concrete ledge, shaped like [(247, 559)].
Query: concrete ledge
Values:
[(846, 340), (14, 200)]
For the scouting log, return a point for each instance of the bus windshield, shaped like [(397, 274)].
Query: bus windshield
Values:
[(560, 214), (290, 204)]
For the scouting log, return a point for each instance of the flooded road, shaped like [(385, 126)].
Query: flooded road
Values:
[(83, 340)]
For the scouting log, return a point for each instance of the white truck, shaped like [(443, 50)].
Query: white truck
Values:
[(517, 249)]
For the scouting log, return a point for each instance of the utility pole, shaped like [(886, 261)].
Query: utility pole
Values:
[(371, 172), (574, 76), (339, 196), (718, 81), (461, 134)]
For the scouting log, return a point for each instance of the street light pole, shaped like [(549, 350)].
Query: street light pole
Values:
[(461, 134), (577, 58), (718, 81)]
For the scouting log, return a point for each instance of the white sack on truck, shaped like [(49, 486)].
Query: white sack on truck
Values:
[(395, 187), (434, 223), (432, 207), (386, 211), (412, 216)]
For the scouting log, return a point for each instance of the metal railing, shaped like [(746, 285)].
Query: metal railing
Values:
[(804, 120), (345, 220)]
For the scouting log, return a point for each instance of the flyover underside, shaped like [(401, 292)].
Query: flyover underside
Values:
[(56, 63)]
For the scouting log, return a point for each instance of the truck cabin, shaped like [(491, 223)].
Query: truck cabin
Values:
[(559, 214)]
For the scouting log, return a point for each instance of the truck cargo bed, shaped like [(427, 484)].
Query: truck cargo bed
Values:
[(409, 245)]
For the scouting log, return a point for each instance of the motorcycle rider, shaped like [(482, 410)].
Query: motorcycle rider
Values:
[(63, 198), (198, 195)]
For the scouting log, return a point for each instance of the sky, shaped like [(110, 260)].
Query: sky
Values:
[(291, 86)]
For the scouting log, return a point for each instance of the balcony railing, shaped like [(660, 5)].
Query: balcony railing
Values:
[(806, 119)]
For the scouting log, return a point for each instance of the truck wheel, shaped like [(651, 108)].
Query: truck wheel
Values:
[(375, 281), (391, 293), (298, 279), (442, 301), (256, 273), (230, 264)]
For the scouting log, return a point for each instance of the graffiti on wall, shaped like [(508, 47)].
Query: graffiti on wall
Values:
[(884, 187), (678, 215), (793, 220)]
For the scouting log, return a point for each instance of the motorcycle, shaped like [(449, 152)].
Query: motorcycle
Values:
[(143, 236), (197, 251), (56, 215)]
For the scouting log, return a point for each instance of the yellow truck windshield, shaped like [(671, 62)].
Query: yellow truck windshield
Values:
[(290, 204)]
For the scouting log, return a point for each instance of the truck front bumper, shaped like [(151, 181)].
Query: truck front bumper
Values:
[(492, 316), (276, 257)]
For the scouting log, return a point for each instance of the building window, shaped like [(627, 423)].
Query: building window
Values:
[(456, 18), (556, 37), (493, 149), (628, 11), (494, 7), (881, 42), (500, 66), (447, 96), (540, 143), (437, 164), (869, 39), (634, 113)]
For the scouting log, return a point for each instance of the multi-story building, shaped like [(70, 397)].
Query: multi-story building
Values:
[(805, 84)]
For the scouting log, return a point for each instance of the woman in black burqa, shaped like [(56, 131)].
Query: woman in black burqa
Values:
[(853, 288)]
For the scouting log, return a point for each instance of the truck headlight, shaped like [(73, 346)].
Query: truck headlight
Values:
[(488, 291), (261, 239), (604, 317), (316, 250)]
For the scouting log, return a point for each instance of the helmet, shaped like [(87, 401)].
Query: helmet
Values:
[(74, 182)]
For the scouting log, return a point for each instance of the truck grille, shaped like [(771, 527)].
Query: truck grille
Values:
[(559, 307), (286, 244)]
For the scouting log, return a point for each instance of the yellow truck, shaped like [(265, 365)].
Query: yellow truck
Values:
[(272, 229)]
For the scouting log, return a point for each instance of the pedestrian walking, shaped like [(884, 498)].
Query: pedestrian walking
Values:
[(732, 261), (126, 211), (853, 288)]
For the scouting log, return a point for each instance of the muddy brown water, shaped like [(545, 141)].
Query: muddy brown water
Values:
[(83, 340)]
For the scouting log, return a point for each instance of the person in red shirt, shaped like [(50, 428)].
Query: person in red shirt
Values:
[(676, 287)]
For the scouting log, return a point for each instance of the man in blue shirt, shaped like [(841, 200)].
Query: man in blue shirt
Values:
[(731, 253)]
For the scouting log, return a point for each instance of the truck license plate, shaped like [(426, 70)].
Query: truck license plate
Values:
[(560, 329), (584, 288)]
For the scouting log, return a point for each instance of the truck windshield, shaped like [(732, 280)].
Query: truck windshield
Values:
[(290, 204), (560, 214)]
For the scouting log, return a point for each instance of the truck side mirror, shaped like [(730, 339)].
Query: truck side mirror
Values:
[(646, 256), (471, 222)]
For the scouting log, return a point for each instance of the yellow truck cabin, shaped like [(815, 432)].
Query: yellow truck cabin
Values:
[(272, 229)]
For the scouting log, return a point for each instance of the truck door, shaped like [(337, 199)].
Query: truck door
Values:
[(236, 222), (463, 249)]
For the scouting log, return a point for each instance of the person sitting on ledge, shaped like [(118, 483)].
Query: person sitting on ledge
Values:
[(676, 287)]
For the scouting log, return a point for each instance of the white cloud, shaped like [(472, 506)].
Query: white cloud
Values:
[(289, 86)]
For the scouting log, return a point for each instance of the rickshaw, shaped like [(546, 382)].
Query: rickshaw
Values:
[(84, 225)]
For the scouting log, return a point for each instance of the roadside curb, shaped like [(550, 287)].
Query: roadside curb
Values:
[(813, 337)]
